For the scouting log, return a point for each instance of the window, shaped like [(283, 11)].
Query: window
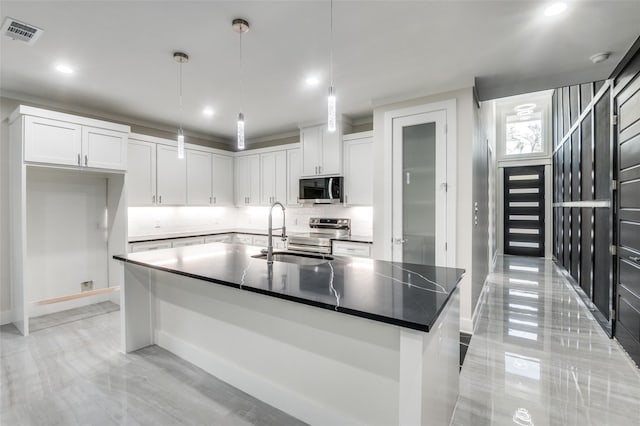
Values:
[(523, 133)]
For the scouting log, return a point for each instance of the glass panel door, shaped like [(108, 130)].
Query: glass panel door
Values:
[(419, 189)]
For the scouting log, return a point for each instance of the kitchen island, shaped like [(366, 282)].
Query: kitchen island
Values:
[(341, 341)]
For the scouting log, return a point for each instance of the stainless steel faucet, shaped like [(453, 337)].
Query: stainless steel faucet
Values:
[(270, 237)]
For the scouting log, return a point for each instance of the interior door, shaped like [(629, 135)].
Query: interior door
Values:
[(419, 188)]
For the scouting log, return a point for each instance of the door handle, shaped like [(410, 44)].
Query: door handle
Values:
[(635, 258), (399, 240)]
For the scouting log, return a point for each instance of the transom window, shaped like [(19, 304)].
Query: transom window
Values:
[(523, 132)]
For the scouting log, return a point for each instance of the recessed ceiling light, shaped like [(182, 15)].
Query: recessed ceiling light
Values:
[(525, 107), (555, 9), (312, 81), (208, 112), (65, 69)]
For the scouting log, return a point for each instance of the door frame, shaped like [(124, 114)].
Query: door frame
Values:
[(449, 107)]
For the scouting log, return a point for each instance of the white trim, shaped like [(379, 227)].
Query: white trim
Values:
[(35, 309), (359, 135), (54, 115), (276, 148), (6, 317), (270, 392), (449, 106)]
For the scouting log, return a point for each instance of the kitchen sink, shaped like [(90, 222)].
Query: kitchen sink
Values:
[(298, 258)]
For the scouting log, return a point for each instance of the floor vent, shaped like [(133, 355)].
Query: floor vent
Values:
[(21, 31)]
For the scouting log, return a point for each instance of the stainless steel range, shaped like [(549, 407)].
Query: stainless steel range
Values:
[(318, 240)]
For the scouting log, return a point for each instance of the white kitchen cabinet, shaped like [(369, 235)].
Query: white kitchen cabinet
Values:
[(247, 180), (184, 242), (350, 248), (273, 168), (171, 176), (358, 173), (104, 148), (294, 170), (141, 177), (222, 180), (222, 238), (199, 177), (71, 144), (149, 245), (321, 150)]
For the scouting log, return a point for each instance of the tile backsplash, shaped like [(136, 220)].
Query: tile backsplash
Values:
[(164, 220)]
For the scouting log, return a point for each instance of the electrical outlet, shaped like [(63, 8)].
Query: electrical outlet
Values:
[(86, 285), (157, 225)]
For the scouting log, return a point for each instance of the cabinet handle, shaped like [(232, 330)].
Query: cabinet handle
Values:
[(214, 200), (153, 199), (160, 199), (79, 160), (86, 161), (319, 169)]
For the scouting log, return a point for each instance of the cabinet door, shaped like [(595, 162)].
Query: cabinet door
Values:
[(331, 152), (141, 179), (52, 141), (222, 180), (311, 140), (268, 173), (254, 179), (344, 248), (294, 168), (185, 242), (242, 180), (146, 246), (104, 149), (281, 181), (199, 178), (172, 177), (358, 173)]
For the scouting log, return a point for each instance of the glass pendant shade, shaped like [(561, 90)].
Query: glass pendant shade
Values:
[(180, 144), (240, 131), (331, 110)]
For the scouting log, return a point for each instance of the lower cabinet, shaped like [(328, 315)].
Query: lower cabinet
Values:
[(183, 242), (149, 245), (350, 248), (222, 238)]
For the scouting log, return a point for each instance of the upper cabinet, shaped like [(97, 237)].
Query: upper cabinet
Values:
[(222, 188), (273, 167), (294, 171), (67, 140), (248, 180), (321, 150), (199, 178), (141, 179), (171, 176), (358, 173)]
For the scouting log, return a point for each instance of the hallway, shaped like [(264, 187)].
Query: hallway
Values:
[(538, 357)]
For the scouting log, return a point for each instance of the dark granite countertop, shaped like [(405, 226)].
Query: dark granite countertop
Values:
[(402, 294)]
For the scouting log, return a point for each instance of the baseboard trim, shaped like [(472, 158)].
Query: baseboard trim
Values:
[(37, 308), (466, 325), (265, 390), (6, 317)]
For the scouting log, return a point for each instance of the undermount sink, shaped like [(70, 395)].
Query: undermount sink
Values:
[(298, 258)]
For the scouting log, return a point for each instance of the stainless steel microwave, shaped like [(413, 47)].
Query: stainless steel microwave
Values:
[(321, 190)]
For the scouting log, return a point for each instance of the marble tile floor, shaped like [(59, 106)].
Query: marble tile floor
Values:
[(71, 315), (538, 357), (73, 374)]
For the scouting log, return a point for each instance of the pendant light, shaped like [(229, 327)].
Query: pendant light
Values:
[(331, 99), (240, 26), (180, 58)]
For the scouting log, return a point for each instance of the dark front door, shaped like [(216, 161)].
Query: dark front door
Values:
[(627, 106), (524, 211)]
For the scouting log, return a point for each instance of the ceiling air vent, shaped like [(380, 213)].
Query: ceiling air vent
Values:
[(21, 31)]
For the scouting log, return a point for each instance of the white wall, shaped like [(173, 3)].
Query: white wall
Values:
[(6, 107), (465, 129)]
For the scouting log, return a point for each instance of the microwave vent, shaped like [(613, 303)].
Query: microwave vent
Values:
[(21, 31)]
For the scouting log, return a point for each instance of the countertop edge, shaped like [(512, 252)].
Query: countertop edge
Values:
[(163, 237), (367, 315)]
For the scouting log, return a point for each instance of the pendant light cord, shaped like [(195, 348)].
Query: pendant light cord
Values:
[(180, 93), (331, 41), (241, 80)]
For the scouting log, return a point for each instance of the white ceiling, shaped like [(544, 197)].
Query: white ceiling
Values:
[(122, 52)]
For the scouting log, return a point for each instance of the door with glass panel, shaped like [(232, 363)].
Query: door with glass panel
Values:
[(419, 188)]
